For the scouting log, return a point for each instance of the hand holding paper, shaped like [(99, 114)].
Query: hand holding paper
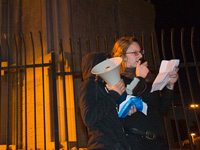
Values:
[(163, 76)]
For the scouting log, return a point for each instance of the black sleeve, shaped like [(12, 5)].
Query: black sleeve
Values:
[(94, 105), (166, 101), (140, 87), (114, 95)]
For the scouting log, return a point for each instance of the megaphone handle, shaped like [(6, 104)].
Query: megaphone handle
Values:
[(132, 85)]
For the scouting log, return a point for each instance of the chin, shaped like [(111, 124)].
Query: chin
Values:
[(135, 65)]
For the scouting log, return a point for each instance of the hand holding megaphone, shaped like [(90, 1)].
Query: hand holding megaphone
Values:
[(119, 87)]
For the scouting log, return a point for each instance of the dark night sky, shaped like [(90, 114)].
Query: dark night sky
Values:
[(177, 13)]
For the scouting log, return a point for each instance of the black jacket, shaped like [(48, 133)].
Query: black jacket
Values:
[(98, 109), (158, 106)]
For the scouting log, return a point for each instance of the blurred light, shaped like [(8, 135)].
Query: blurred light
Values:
[(194, 105), (193, 134)]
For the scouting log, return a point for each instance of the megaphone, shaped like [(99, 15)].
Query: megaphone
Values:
[(109, 70)]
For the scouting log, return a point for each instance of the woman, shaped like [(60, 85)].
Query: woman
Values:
[(145, 132), (98, 108)]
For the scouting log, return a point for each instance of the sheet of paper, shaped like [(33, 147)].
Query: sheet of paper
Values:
[(162, 78), (124, 102), (145, 107)]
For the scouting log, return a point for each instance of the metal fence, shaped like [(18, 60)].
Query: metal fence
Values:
[(39, 102)]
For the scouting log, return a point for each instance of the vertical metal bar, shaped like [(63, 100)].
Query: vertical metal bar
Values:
[(97, 43), (16, 92), (0, 91), (44, 115), (8, 91), (176, 122), (162, 43), (142, 41), (25, 90), (55, 104), (193, 53), (80, 54), (64, 94), (164, 57), (75, 104), (188, 78), (88, 44), (34, 90), (153, 51), (106, 44), (143, 45), (20, 87)]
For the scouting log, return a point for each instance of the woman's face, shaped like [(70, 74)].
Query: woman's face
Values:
[(133, 55)]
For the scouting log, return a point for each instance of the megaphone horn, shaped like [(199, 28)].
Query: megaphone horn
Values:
[(109, 70)]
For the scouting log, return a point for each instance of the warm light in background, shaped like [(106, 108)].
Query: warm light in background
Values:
[(193, 135), (194, 106)]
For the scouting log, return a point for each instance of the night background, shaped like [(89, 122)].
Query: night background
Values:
[(176, 13)]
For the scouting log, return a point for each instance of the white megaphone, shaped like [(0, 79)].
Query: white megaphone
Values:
[(109, 70)]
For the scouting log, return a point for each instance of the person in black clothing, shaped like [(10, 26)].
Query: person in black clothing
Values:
[(98, 108), (145, 132)]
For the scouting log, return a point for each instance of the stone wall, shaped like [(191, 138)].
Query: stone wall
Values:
[(86, 19)]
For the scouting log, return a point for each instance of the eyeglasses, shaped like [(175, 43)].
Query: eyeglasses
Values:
[(136, 53)]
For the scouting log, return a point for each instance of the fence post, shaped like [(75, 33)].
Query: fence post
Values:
[(55, 109)]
